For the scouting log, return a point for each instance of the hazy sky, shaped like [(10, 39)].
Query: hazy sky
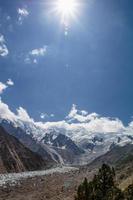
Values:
[(48, 70)]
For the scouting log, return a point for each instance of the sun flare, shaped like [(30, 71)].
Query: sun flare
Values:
[(66, 8)]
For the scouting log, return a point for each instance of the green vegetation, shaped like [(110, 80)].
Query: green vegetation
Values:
[(103, 187)]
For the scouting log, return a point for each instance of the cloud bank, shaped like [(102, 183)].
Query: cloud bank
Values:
[(84, 126)]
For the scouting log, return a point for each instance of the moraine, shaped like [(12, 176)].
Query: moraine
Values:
[(14, 178)]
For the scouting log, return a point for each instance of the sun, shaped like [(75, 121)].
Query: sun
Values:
[(67, 11), (66, 8)]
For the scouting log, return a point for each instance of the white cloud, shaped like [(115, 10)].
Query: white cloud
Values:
[(2, 87), (84, 112), (23, 115), (43, 116), (23, 13), (5, 112), (72, 112), (105, 125), (3, 48), (10, 82), (46, 116), (33, 56), (2, 40), (80, 115), (39, 52)]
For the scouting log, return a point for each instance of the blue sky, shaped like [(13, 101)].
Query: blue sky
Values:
[(91, 67)]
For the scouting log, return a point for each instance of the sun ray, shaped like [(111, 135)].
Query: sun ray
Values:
[(67, 9)]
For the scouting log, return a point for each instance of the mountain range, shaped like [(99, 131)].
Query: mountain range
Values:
[(60, 146)]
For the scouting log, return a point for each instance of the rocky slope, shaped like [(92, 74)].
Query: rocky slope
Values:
[(15, 157), (117, 156), (121, 158)]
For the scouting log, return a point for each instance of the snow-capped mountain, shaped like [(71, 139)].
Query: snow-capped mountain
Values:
[(61, 141), (63, 144)]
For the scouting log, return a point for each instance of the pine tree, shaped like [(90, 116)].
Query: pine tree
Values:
[(79, 193), (102, 187), (105, 182), (85, 187), (83, 191)]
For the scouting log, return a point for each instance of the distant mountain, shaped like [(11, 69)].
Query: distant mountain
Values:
[(60, 145), (62, 142), (15, 157)]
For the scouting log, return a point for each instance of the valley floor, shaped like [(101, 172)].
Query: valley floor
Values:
[(58, 185), (53, 184)]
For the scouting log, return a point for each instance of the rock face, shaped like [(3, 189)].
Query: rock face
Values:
[(117, 156), (15, 157), (62, 142), (63, 145)]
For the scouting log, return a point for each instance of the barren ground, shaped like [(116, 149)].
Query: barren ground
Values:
[(55, 186)]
